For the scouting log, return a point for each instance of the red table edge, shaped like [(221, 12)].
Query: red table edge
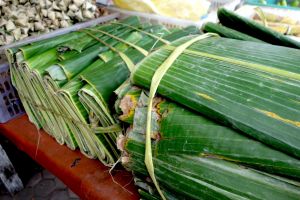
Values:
[(89, 179)]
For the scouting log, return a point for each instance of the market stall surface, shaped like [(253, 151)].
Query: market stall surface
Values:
[(89, 179)]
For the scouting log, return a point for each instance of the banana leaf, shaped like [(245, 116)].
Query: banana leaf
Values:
[(102, 146), (252, 87), (206, 177), (52, 123), (10, 55), (55, 107), (114, 73), (98, 112), (17, 55), (181, 131), (76, 124), (254, 29), (39, 47), (29, 108), (84, 42), (67, 101), (223, 31), (198, 175), (30, 88), (103, 79), (60, 73)]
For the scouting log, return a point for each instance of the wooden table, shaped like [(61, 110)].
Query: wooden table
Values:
[(89, 179)]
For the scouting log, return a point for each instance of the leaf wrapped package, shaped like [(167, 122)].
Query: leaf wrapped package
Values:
[(179, 131), (257, 94), (185, 170)]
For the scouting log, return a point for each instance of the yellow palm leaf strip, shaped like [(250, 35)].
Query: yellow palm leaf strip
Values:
[(143, 51), (125, 58), (145, 32), (157, 77), (262, 16), (241, 63)]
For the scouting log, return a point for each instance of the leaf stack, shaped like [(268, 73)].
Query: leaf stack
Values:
[(66, 83)]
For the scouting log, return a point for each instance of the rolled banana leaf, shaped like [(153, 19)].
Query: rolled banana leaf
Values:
[(84, 42), (50, 106), (26, 89), (180, 131), (11, 57), (62, 72), (254, 29), (35, 48), (133, 159), (223, 31), (251, 87)]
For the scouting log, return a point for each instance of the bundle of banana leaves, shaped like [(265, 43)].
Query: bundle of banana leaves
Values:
[(65, 83), (102, 78), (196, 158), (34, 63), (239, 27), (226, 125), (251, 87), (64, 80)]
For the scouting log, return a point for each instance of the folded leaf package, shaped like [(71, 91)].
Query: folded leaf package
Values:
[(251, 87)]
